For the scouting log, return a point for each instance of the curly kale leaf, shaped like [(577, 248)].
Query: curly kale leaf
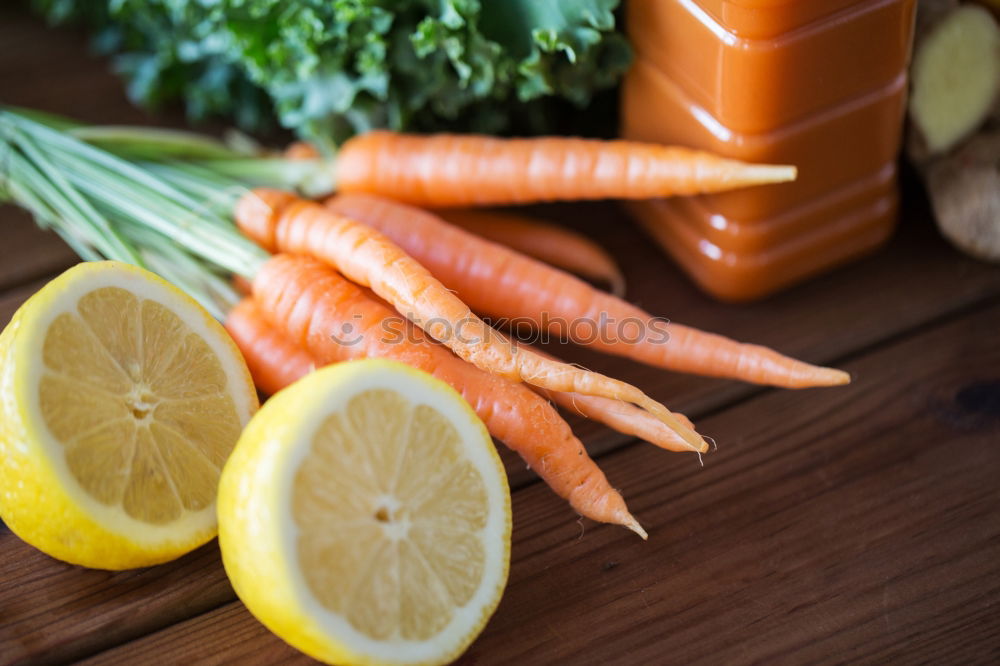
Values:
[(330, 68)]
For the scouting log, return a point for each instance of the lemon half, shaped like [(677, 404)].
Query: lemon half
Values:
[(121, 400), (364, 517)]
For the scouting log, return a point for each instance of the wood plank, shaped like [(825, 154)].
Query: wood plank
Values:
[(819, 321), (828, 317), (12, 299), (53, 69), (58, 611), (76, 84), (917, 280), (919, 277), (856, 525), (27, 252)]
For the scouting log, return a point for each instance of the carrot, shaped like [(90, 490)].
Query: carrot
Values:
[(280, 221), (273, 362), (504, 284), (546, 242), (317, 310), (465, 170)]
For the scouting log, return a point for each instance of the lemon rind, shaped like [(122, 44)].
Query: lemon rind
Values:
[(125, 542), (286, 605)]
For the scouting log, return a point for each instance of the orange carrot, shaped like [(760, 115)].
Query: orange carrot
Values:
[(274, 363), (280, 221), (504, 284), (317, 310), (465, 170), (546, 242)]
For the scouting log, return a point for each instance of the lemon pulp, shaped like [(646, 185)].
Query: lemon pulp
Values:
[(122, 400), (365, 517), (401, 548), (140, 404)]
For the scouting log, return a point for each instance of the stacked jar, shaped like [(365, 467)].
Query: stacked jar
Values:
[(820, 84)]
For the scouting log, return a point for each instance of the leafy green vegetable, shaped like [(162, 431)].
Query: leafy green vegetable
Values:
[(330, 68)]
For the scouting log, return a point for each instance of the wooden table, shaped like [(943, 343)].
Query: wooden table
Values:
[(852, 524)]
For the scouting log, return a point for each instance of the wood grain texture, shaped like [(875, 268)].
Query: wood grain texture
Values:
[(863, 526), (916, 279), (28, 253), (70, 611), (824, 312), (51, 70), (867, 533)]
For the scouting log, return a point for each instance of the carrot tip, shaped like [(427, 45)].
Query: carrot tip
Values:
[(833, 377), (769, 173), (633, 524), (665, 416)]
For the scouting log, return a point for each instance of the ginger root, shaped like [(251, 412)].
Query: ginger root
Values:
[(954, 133), (955, 76), (965, 195)]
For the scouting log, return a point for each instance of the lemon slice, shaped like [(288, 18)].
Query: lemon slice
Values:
[(121, 400), (364, 517)]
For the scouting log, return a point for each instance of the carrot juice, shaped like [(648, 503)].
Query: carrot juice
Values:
[(816, 83)]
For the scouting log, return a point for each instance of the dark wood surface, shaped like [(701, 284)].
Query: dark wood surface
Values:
[(852, 524)]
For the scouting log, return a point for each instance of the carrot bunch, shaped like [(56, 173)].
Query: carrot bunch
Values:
[(344, 270), (363, 276)]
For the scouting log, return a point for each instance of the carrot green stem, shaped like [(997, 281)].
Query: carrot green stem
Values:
[(239, 159), (314, 178), (154, 142), (169, 216), (52, 186)]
